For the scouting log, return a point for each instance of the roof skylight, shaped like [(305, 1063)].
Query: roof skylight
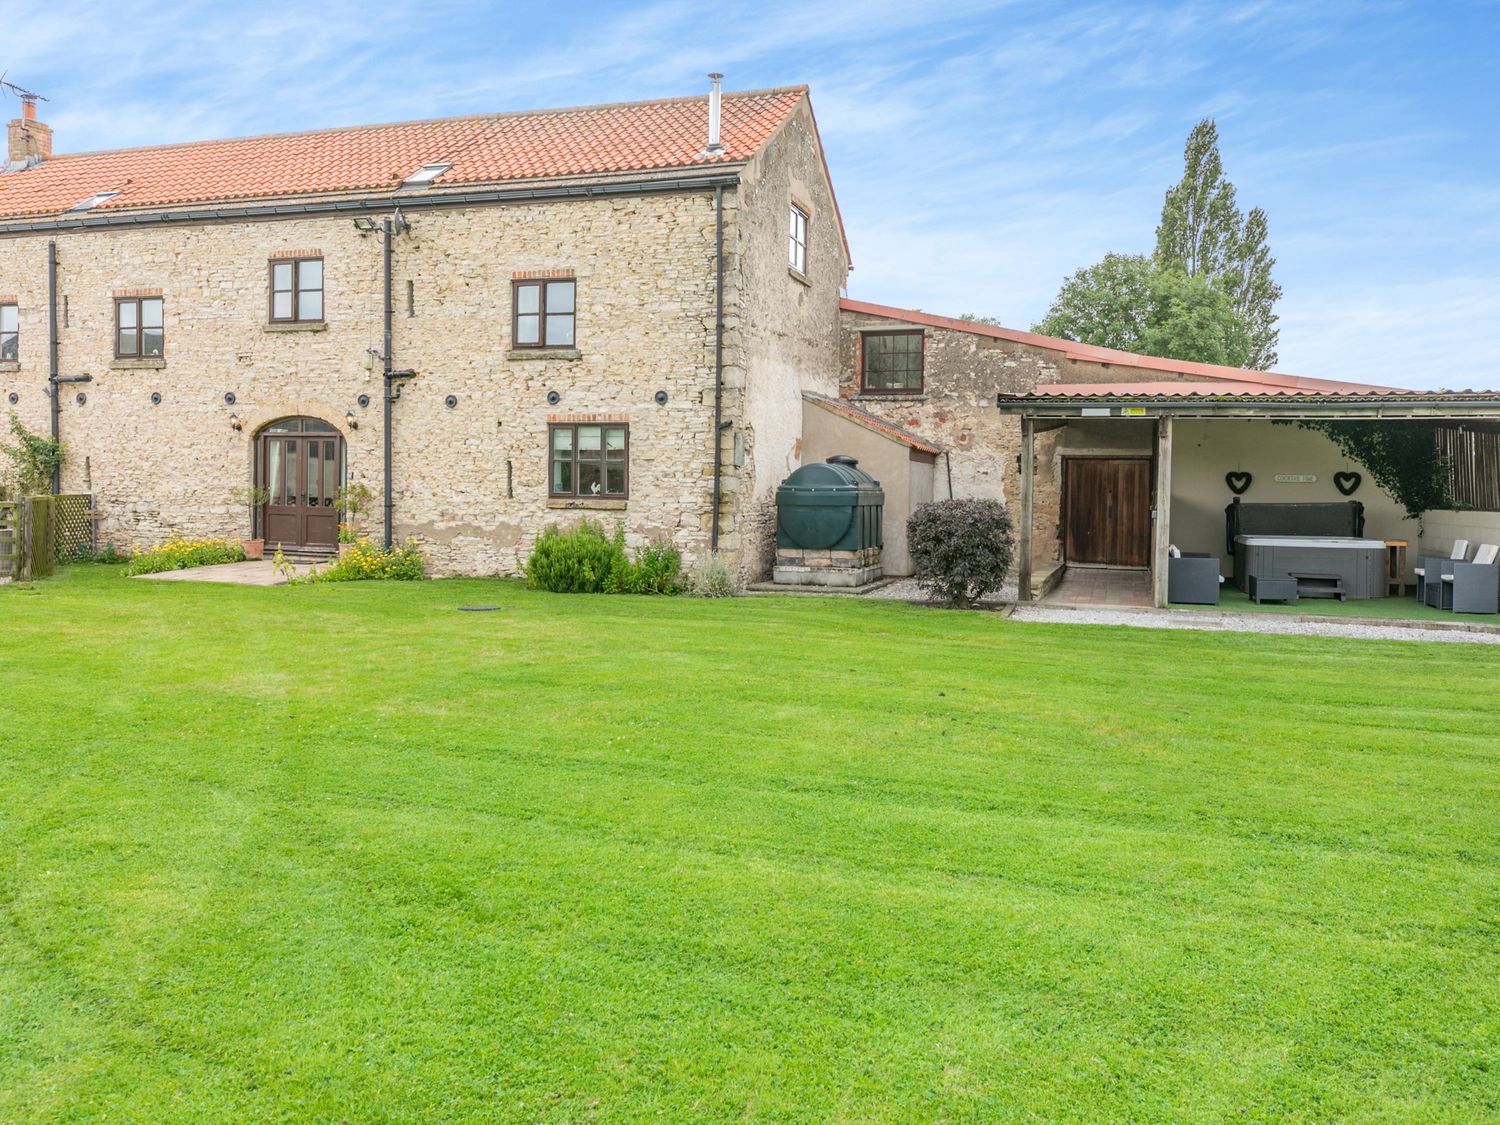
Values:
[(424, 175), (94, 200)]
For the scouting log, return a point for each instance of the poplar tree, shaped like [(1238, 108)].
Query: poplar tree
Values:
[(1203, 234)]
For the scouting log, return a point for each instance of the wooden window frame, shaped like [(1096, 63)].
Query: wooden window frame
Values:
[(798, 247), (541, 283), (140, 331), (553, 427), (920, 388), (15, 335), (296, 264)]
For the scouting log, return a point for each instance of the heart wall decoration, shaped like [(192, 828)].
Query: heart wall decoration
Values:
[(1239, 483), (1347, 483)]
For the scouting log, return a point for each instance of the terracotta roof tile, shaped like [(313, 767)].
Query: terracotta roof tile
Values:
[(1263, 381), (1135, 392), (543, 144)]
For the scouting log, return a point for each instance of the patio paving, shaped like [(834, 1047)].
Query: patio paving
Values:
[(1086, 586), (261, 572)]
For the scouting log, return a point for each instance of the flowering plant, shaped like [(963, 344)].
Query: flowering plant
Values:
[(180, 552)]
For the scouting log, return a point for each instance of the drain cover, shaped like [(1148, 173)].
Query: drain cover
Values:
[(477, 608)]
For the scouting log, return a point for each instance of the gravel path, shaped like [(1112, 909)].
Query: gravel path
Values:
[(906, 589), (1246, 623)]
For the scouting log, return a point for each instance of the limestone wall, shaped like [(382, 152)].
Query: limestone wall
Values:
[(787, 324), (956, 411), (471, 479)]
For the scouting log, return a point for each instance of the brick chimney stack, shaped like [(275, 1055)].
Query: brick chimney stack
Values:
[(30, 142)]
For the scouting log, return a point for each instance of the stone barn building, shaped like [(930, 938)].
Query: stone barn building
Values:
[(636, 312)]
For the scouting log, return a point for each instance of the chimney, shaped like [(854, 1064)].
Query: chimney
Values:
[(715, 146), (30, 142)]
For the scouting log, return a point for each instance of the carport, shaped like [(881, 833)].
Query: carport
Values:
[(1220, 416)]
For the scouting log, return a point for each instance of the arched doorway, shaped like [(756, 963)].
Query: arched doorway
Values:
[(300, 464)]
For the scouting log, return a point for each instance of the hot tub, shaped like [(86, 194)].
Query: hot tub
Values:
[(1358, 565)]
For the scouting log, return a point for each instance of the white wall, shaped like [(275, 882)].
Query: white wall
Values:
[(1440, 529), (1203, 451)]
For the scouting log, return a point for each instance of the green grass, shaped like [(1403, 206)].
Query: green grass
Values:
[(1395, 610), (339, 852)]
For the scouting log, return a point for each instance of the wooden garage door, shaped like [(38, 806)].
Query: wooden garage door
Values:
[(1108, 511)]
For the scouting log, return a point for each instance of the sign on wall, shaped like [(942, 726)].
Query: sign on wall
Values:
[(1296, 478)]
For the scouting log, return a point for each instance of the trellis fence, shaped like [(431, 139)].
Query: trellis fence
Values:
[(35, 531)]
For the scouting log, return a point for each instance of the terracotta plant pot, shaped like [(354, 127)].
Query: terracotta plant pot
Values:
[(254, 548)]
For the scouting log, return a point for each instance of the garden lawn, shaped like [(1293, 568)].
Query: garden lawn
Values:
[(340, 852)]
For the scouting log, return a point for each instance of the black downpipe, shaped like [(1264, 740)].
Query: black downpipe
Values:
[(52, 355), (390, 385), (713, 534)]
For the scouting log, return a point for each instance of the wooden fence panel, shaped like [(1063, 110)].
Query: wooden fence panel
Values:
[(1472, 461), (10, 539), (40, 540)]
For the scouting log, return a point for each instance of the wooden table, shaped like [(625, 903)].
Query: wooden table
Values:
[(1395, 566)]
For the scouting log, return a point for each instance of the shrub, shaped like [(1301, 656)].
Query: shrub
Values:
[(710, 577), (656, 569), (179, 553), (364, 561), (83, 553), (32, 460), (578, 561), (960, 549)]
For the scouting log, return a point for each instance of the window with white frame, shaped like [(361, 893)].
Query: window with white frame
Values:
[(10, 333), (797, 240)]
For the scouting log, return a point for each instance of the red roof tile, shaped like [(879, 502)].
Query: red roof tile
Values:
[(1263, 382), (1185, 389), (542, 144)]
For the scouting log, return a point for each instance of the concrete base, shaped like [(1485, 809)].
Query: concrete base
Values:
[(757, 589), (825, 576), (249, 573)]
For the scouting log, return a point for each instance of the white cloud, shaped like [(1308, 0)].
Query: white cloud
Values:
[(982, 150)]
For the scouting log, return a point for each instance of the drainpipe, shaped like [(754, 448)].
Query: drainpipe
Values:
[(387, 234), (391, 378), (52, 353), (719, 423)]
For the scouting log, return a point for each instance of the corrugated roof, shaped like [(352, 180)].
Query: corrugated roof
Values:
[(1238, 392), (1196, 389), (1089, 353), (639, 137), (871, 422)]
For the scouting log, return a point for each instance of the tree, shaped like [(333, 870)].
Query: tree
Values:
[(1104, 304), (974, 318), (1252, 292), (1131, 303), (1199, 220), (1203, 234), (1189, 318)]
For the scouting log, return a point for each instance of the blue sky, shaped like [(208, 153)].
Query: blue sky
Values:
[(981, 151)]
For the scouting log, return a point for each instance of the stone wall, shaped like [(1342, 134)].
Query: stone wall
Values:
[(964, 369), (787, 324), (963, 372), (471, 479)]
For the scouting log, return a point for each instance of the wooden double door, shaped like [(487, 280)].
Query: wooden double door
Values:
[(1107, 511), (302, 468)]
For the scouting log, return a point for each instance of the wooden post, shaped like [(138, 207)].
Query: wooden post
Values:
[(1162, 515), (1028, 489)]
